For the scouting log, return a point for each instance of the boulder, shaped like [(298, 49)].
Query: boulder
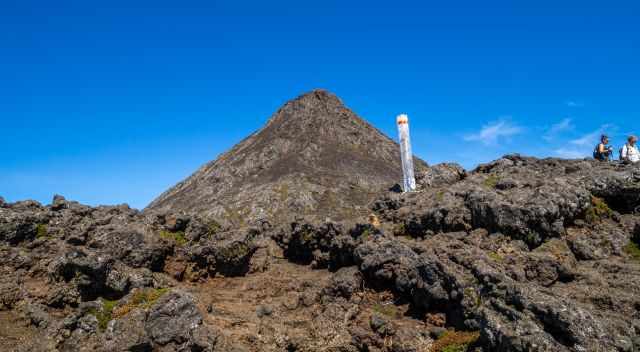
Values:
[(440, 175), (20, 226), (58, 203), (344, 283), (228, 254), (88, 272), (128, 333), (173, 318), (134, 248)]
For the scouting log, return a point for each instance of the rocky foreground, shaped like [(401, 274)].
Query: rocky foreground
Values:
[(520, 254)]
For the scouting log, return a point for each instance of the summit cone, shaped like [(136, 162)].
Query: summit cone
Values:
[(313, 157)]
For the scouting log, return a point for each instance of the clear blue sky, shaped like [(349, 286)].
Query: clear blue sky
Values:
[(109, 102)]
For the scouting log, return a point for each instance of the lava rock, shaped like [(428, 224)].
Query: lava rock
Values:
[(173, 318), (344, 283), (128, 333)]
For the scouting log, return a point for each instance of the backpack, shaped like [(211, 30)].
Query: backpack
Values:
[(606, 155), (597, 155)]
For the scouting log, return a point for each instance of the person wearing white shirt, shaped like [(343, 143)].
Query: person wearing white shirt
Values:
[(630, 153)]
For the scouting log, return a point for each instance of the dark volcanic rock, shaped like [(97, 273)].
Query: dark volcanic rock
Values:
[(128, 333), (87, 272), (323, 244), (173, 318), (172, 323), (306, 242), (440, 175), (314, 156), (133, 248), (17, 226), (526, 198), (556, 293), (520, 254), (228, 254), (421, 278), (344, 283)]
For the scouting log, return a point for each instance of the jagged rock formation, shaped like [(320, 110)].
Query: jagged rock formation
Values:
[(520, 254), (313, 157)]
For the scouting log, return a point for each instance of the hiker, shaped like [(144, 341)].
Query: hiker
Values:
[(603, 152), (629, 152)]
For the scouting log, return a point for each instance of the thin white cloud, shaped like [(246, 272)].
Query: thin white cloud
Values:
[(554, 130), (574, 104), (568, 153), (492, 132), (583, 146), (592, 138)]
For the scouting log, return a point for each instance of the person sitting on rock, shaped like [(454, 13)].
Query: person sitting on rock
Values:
[(629, 152), (602, 151)]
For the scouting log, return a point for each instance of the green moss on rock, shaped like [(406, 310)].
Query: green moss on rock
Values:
[(495, 257), (455, 341), (213, 227), (142, 298), (491, 181), (597, 211), (105, 315), (42, 231), (178, 237), (389, 310), (400, 230), (633, 250), (233, 252)]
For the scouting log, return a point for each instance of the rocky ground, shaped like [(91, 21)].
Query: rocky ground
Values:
[(520, 254)]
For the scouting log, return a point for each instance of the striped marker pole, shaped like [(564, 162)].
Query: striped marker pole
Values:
[(409, 182)]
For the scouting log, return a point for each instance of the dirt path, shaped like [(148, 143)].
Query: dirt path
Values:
[(284, 309), (15, 332)]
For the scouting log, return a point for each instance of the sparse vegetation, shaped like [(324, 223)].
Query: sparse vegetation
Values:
[(234, 216), (365, 234), (559, 249), (495, 256), (440, 196), (284, 192), (105, 315), (177, 236), (471, 293), (389, 310), (633, 250), (234, 252), (455, 341), (213, 227), (143, 298), (532, 238), (597, 211), (491, 181), (400, 230), (306, 235), (42, 231)]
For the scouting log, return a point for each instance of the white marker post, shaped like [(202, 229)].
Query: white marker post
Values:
[(409, 182)]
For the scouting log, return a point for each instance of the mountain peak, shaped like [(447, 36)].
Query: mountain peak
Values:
[(318, 104), (314, 156), (319, 95)]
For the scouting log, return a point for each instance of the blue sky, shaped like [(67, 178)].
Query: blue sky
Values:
[(114, 102)]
